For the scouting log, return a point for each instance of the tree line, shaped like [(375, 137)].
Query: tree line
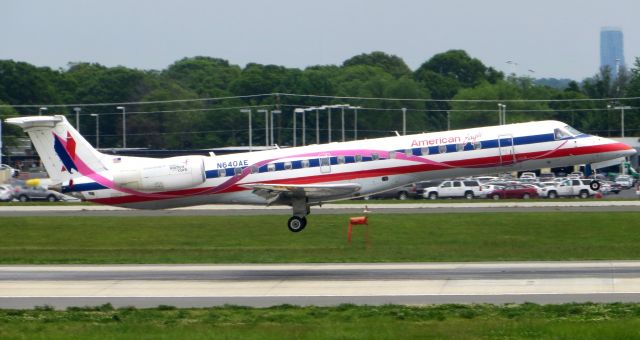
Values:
[(451, 75)]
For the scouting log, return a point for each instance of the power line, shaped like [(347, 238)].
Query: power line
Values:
[(140, 102), (276, 94), (457, 100)]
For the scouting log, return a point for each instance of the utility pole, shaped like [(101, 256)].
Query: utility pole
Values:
[(342, 119), (248, 111), (404, 121), (77, 110), (266, 126), (622, 108)]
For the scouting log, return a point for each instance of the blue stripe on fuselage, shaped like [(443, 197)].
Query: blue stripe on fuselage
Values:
[(315, 162)]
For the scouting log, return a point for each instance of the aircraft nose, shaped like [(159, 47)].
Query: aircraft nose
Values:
[(624, 150)]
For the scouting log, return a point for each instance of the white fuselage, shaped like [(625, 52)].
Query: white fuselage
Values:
[(375, 165)]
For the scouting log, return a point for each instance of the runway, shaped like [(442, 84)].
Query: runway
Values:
[(460, 206), (319, 284)]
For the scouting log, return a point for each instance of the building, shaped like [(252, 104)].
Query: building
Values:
[(612, 49)]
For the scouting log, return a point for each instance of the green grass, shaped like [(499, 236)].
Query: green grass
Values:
[(571, 321), (265, 239)]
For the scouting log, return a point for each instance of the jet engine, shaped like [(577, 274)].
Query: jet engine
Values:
[(167, 174)]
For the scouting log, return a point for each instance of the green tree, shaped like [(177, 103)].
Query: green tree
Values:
[(391, 64), (208, 77)]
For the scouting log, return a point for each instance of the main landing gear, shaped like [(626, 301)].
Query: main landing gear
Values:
[(298, 221)]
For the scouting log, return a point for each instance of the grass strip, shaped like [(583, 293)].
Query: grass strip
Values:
[(265, 239), (569, 321)]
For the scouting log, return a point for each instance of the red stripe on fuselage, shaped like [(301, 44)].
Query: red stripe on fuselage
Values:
[(487, 162)]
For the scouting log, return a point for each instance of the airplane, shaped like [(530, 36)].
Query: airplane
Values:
[(305, 176)]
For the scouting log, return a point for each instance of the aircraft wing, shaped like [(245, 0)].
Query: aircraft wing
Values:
[(316, 191)]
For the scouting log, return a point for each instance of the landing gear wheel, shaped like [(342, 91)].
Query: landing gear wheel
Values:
[(594, 185), (296, 223)]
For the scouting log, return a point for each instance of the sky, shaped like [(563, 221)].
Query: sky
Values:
[(554, 38)]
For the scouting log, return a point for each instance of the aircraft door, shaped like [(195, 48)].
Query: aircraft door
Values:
[(506, 151), (325, 164)]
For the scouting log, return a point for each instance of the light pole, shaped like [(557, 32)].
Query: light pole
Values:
[(342, 119), (77, 110), (266, 126), (448, 120), (404, 121), (97, 129), (329, 124), (42, 109), (304, 127), (355, 123), (622, 108), (318, 123), (502, 114), (124, 126), (248, 111), (273, 112), (0, 141), (295, 127)]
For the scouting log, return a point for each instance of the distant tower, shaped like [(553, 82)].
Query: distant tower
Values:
[(612, 49)]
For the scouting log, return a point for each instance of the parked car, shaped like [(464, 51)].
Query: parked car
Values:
[(468, 189), (13, 172), (528, 176), (576, 187), (546, 189), (6, 193), (625, 181), (546, 176), (485, 179), (514, 191), (420, 186), (486, 189), (575, 175), (30, 193), (401, 193)]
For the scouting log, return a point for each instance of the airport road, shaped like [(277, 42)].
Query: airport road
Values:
[(319, 284), (400, 208)]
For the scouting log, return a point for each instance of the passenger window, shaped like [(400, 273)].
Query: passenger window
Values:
[(325, 162), (305, 163), (221, 172), (287, 165), (271, 167), (408, 152), (446, 185), (442, 148), (358, 158), (254, 169), (375, 156), (392, 155), (459, 147), (576, 182), (237, 171), (340, 159), (424, 151), (457, 184)]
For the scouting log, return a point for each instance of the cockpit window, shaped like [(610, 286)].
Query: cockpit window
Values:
[(565, 132), (572, 130)]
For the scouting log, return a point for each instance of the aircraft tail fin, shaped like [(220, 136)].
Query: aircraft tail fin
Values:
[(63, 151)]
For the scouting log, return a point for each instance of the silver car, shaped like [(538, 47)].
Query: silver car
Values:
[(29, 193), (6, 193)]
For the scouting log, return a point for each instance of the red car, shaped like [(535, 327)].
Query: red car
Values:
[(514, 191)]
